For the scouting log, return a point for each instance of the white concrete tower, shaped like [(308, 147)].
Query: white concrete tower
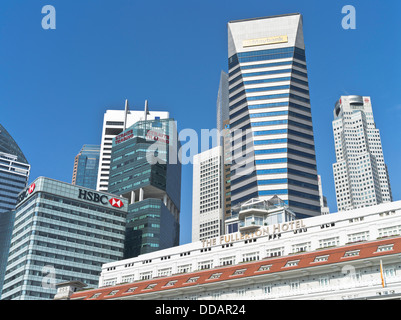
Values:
[(207, 200), (360, 173)]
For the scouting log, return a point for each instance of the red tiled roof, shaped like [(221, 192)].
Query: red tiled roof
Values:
[(276, 265)]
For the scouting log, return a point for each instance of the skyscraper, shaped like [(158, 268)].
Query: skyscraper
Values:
[(222, 101), (14, 175), (207, 195), (86, 166), (270, 114), (62, 233), (146, 170), (360, 173), (114, 122)]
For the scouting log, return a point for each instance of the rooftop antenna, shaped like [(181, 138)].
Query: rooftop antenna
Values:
[(146, 110), (125, 114)]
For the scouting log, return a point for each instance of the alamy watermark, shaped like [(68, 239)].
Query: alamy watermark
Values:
[(49, 20), (349, 20)]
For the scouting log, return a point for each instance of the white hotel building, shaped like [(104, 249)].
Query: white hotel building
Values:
[(335, 256)]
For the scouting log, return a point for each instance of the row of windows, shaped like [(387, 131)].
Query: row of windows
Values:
[(286, 150), (286, 160)]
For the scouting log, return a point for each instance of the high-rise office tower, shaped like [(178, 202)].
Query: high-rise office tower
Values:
[(145, 169), (223, 127), (62, 233), (222, 101), (360, 173), (207, 195), (86, 166), (114, 122), (14, 175), (270, 114)]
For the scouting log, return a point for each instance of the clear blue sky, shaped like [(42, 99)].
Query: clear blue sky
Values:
[(56, 84)]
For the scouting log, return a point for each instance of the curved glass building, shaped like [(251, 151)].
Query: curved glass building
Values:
[(14, 174)]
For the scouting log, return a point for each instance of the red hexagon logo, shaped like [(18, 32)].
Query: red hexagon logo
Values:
[(115, 202), (31, 188)]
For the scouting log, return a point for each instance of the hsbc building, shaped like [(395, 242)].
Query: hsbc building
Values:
[(62, 232)]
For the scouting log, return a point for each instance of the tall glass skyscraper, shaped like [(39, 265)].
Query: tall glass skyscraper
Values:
[(145, 169), (115, 122), (270, 114), (86, 166), (14, 175)]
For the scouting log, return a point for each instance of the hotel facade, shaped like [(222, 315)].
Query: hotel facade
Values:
[(345, 255)]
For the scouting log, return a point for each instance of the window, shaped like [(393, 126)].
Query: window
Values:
[(267, 289), (205, 265), (329, 242), (150, 286), (324, 281), (112, 293), (387, 247), (241, 293), (253, 256), (321, 258), (132, 289), (171, 283), (215, 276), (353, 253), (275, 252), (301, 247), (265, 267), (95, 296), (294, 285), (239, 272), (146, 275), (227, 261), (184, 268), (127, 278), (192, 280), (360, 236), (292, 263), (164, 272)]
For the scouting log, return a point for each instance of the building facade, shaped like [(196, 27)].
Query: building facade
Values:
[(270, 114), (115, 122), (360, 172), (346, 255), (14, 175), (86, 167), (61, 232), (207, 194), (145, 169)]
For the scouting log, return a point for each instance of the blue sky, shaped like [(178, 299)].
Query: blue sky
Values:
[(56, 84)]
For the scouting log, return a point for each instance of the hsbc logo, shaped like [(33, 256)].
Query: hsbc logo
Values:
[(97, 198), (31, 188), (26, 193), (116, 202)]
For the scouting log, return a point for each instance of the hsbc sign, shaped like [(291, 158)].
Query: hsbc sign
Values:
[(26, 193), (97, 198)]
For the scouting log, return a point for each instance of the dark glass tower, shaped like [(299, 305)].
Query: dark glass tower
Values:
[(14, 174), (86, 166), (145, 169)]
